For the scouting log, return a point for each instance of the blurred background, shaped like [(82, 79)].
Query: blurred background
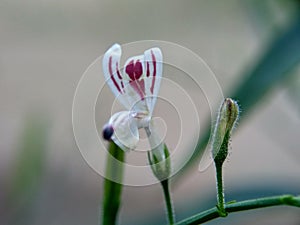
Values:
[(45, 46)]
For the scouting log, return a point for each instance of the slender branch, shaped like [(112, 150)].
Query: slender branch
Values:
[(219, 159), (112, 190), (213, 213), (168, 200), (220, 191), (159, 160)]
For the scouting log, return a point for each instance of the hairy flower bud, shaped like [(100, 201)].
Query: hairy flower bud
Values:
[(228, 115)]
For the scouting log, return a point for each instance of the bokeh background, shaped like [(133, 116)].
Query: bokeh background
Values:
[(45, 47)]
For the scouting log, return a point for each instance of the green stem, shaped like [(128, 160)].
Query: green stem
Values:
[(219, 159), (220, 190), (168, 200), (112, 190), (213, 213)]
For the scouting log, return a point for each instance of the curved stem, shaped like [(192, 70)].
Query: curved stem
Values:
[(168, 200), (213, 213)]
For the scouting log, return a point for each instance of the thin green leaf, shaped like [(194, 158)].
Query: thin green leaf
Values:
[(112, 190)]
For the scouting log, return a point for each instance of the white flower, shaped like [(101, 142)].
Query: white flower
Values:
[(136, 87)]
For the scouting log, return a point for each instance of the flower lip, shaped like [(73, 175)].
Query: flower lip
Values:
[(107, 132)]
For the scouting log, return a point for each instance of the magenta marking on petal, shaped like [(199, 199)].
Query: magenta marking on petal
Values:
[(154, 71), (130, 70), (112, 75), (138, 70), (119, 76), (147, 70), (142, 87), (134, 70), (118, 72), (139, 87)]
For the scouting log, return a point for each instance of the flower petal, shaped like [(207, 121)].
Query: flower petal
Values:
[(153, 73), (126, 134), (156, 141)]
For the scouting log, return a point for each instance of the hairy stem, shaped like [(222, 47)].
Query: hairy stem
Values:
[(220, 191), (213, 213)]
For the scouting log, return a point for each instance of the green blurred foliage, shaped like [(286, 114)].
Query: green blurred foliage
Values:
[(29, 169)]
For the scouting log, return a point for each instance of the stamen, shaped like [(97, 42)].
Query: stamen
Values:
[(107, 132)]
